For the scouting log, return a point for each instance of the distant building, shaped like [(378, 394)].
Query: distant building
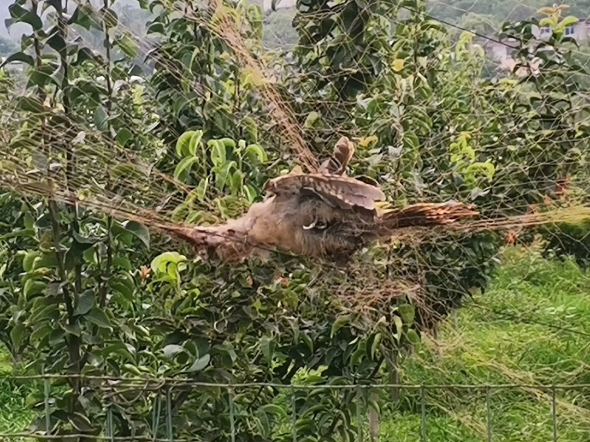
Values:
[(503, 51), (580, 30)]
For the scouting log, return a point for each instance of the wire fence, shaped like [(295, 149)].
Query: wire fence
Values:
[(426, 411)]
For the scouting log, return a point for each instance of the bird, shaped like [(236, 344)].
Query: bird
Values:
[(320, 215)]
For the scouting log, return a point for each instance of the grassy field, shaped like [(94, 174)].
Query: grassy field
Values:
[(531, 327), (14, 416)]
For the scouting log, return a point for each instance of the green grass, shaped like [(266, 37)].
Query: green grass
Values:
[(532, 326), (5, 365), (14, 415)]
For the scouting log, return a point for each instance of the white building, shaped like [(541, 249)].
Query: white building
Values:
[(502, 52)]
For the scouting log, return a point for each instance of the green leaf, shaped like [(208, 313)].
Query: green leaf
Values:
[(312, 119), (567, 21), (139, 230), (81, 423), (100, 117), (201, 189), (72, 329), (132, 369), (33, 287), (45, 261), (340, 322), (57, 42), (407, 313), (250, 193), (274, 410), (31, 104), (123, 284), (123, 136), (375, 345), (399, 326), (86, 301), (237, 182), (39, 334), (172, 350), (223, 174), (17, 334), (307, 341), (159, 263), (183, 144), (251, 129), (413, 337), (200, 364), (183, 168), (109, 18), (43, 313), (217, 152), (194, 142), (123, 262), (82, 16), (128, 45), (267, 346), (256, 152), (228, 142), (22, 15), (98, 317), (29, 258), (18, 57), (86, 54)]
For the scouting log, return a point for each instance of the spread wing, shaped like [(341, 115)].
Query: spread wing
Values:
[(336, 191), (338, 162)]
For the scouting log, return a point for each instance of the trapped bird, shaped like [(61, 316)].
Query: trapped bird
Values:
[(318, 215)]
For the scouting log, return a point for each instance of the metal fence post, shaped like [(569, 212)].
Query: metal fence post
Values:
[(110, 426), (359, 418), (489, 412), (156, 415), (169, 432), (423, 403), (47, 387), (232, 423), (294, 414), (554, 412)]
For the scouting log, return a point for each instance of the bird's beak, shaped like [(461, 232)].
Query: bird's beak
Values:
[(309, 227)]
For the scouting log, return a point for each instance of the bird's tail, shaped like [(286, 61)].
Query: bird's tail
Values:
[(425, 215)]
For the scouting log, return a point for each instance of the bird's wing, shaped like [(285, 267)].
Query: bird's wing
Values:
[(338, 191), (338, 162)]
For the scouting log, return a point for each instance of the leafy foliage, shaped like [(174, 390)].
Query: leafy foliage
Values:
[(86, 294)]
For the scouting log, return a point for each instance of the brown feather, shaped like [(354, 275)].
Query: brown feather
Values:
[(425, 215), (338, 162), (346, 192)]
